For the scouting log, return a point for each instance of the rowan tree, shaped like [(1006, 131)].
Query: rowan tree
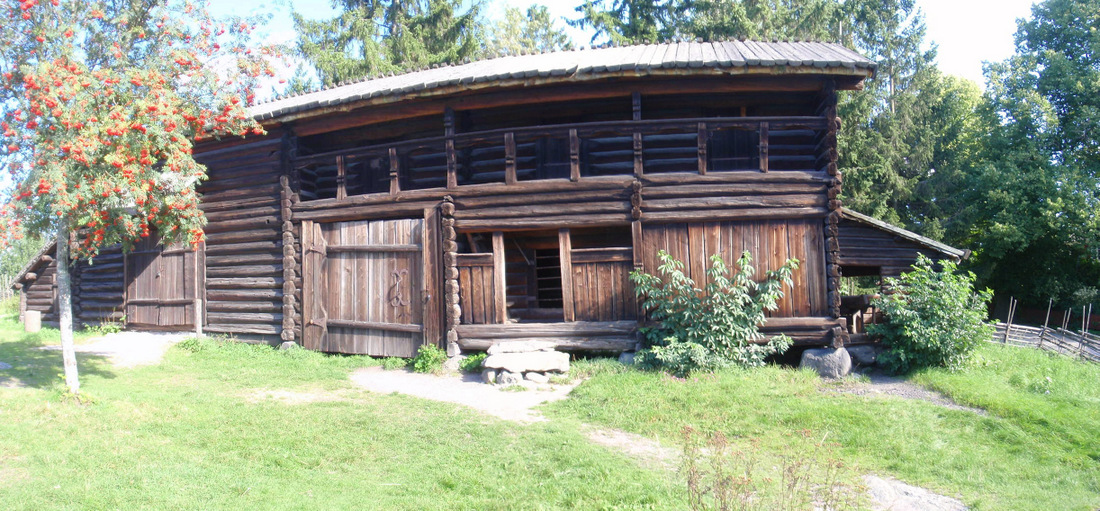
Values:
[(102, 102)]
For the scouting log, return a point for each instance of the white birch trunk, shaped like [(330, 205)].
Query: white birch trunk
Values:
[(65, 309)]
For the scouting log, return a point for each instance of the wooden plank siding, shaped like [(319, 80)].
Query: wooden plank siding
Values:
[(770, 242)]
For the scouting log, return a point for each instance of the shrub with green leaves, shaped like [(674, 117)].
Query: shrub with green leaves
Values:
[(712, 327), (472, 363), (934, 319), (429, 359)]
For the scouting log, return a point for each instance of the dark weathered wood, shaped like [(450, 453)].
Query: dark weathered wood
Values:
[(574, 156), (737, 214), (597, 344), (565, 248), (380, 248), (449, 148), (547, 222), (763, 147), (395, 168), (509, 158), (543, 330), (374, 325)]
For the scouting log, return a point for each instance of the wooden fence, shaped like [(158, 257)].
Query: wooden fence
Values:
[(1082, 345)]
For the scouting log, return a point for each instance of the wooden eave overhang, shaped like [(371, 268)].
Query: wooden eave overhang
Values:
[(42, 258), (747, 60), (947, 250)]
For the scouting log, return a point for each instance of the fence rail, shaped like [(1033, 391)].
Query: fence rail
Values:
[(1082, 345)]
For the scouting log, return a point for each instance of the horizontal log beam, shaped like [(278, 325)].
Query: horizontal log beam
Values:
[(374, 325), (540, 330), (611, 344)]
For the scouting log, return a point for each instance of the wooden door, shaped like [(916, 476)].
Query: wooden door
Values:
[(367, 287), (161, 286)]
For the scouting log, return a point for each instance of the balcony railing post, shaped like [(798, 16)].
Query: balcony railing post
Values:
[(341, 179), (395, 183), (763, 147), (703, 135), (574, 156), (449, 145), (509, 158)]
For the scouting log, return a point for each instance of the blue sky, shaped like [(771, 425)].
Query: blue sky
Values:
[(967, 32)]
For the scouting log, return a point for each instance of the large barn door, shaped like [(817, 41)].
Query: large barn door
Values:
[(161, 286), (364, 287)]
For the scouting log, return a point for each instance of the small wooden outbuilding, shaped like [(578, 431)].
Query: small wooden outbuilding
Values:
[(510, 199)]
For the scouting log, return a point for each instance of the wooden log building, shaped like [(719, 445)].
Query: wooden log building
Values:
[(509, 199)]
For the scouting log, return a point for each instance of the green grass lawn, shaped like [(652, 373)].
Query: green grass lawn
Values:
[(202, 431), (192, 434), (1034, 450)]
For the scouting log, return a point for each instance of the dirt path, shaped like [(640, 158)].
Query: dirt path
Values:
[(465, 390), (884, 385), (129, 349)]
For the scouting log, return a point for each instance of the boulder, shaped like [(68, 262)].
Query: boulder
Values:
[(536, 377), (489, 376), (520, 347), (289, 345), (828, 362), (509, 378), (537, 361), (451, 365), (864, 354), (626, 358)]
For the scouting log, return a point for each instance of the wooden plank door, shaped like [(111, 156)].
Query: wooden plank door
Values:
[(161, 286), (365, 289)]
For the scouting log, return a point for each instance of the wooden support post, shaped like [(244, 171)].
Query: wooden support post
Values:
[(23, 302), (574, 156), (452, 311), (509, 158), (395, 165), (636, 115), (1011, 312), (565, 246), (449, 132), (341, 179), (500, 304), (1046, 322), (763, 147), (703, 136)]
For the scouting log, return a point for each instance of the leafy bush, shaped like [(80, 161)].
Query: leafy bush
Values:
[(710, 328), (472, 363), (934, 319), (429, 359), (391, 363)]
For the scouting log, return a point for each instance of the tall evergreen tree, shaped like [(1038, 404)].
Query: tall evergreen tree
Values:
[(630, 21), (531, 32), (763, 19), (386, 36)]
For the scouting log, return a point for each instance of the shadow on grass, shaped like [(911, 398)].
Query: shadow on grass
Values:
[(32, 366)]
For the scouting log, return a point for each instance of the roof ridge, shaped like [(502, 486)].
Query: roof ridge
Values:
[(577, 61)]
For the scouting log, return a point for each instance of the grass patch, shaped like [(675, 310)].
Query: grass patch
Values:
[(1033, 451), (190, 434)]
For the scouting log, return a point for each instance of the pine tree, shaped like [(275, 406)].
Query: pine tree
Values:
[(534, 32), (388, 36)]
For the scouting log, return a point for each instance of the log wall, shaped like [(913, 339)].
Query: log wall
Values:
[(243, 200), (867, 247)]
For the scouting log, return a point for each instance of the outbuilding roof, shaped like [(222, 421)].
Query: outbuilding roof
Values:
[(929, 243), (676, 58)]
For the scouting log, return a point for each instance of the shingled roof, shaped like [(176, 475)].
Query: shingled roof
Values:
[(695, 57)]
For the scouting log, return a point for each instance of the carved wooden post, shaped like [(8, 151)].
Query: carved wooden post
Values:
[(287, 198), (832, 220), (452, 311), (449, 147)]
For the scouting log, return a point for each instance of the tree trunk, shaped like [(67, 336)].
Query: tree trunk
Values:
[(65, 309)]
